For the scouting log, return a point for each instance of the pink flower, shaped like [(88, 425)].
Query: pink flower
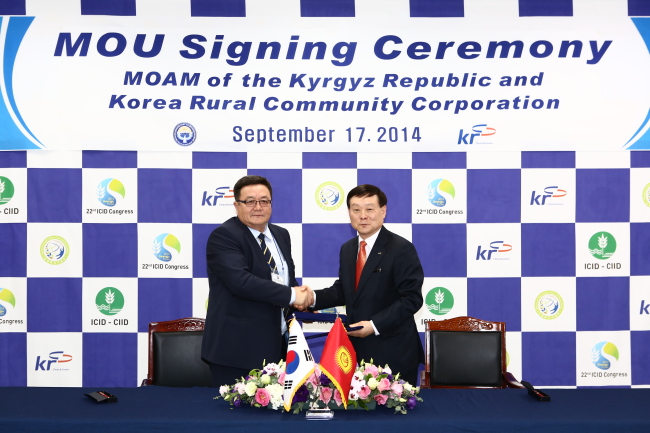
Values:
[(381, 398), (371, 369), (325, 395), (397, 388), (337, 397), (364, 392), (384, 384), (313, 379), (281, 378), (263, 396)]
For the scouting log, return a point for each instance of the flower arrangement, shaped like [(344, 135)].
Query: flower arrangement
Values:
[(371, 385)]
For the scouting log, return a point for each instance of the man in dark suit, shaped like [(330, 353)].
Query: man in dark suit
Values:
[(380, 284), (252, 278)]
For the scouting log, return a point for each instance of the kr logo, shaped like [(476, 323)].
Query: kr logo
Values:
[(480, 130), (495, 247), (55, 357), (220, 192), (549, 192)]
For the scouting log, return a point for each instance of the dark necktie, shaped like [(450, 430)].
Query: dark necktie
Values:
[(267, 254), (361, 261)]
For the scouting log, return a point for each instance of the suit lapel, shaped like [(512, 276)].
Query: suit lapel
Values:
[(349, 261), (373, 259), (254, 245)]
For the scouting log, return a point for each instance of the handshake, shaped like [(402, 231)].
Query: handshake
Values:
[(304, 298)]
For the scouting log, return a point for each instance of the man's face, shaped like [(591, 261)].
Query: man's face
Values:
[(257, 216), (366, 216)]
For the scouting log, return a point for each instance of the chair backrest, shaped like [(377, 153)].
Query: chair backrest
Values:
[(175, 354), (465, 352)]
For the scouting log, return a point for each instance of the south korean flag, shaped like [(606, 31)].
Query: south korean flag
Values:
[(299, 363)]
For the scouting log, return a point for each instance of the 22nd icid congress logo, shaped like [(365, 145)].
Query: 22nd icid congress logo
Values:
[(7, 301), (164, 246), (440, 191), (108, 191)]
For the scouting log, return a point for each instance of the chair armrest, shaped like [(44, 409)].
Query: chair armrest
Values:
[(510, 380)]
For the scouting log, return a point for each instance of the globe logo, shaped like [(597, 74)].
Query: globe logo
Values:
[(329, 196), (163, 245), (184, 134), (55, 250), (6, 190), (549, 305), (108, 186), (646, 195), (604, 354), (7, 301), (440, 191)]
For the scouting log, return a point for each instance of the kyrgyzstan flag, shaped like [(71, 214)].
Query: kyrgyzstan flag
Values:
[(339, 359), (299, 363)]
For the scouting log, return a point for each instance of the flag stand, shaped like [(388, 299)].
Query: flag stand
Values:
[(316, 414)]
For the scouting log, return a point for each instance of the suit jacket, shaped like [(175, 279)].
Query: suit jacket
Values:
[(243, 322), (389, 294)]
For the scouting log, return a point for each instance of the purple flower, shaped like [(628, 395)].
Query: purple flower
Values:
[(324, 380), (301, 395), (411, 402), (390, 377), (237, 401)]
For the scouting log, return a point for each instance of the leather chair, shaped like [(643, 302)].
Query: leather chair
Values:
[(465, 352), (175, 354)]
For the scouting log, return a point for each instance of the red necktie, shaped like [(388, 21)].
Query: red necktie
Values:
[(361, 261)]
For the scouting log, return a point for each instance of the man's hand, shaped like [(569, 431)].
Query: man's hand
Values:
[(304, 298), (363, 332)]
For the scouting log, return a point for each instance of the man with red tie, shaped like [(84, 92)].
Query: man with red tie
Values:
[(380, 284)]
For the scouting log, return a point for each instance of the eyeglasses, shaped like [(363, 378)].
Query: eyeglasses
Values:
[(251, 202)]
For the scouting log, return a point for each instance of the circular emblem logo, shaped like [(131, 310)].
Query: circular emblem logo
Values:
[(109, 301), (108, 189), (6, 190), (602, 245), (162, 245), (646, 195), (549, 305), (329, 195), (603, 354), (293, 361), (439, 191), (343, 359), (184, 134), (7, 301), (439, 301), (55, 250)]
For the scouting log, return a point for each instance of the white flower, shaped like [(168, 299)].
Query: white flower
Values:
[(272, 368), (276, 390), (372, 383), (408, 387), (251, 388), (265, 379), (240, 388), (353, 396), (223, 390), (387, 369)]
